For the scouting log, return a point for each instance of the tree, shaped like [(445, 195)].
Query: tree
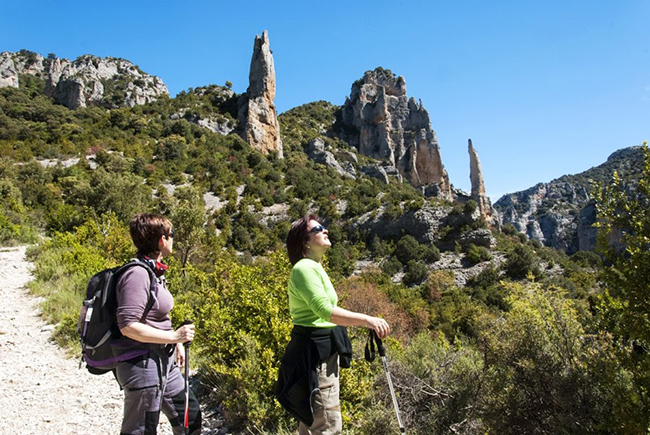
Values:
[(407, 249), (188, 216), (624, 240), (545, 374), (521, 262)]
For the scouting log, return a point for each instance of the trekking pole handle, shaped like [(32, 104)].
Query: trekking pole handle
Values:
[(380, 345), (187, 322)]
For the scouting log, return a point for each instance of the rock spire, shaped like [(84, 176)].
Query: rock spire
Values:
[(478, 185), (257, 115), (381, 122)]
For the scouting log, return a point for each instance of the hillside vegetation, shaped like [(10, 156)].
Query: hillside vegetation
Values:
[(504, 338)]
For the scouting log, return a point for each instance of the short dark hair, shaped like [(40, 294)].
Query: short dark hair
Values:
[(297, 238), (146, 230)]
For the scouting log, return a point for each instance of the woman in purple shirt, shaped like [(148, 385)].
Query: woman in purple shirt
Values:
[(152, 382)]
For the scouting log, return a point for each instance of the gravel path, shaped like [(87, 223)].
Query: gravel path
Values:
[(43, 390)]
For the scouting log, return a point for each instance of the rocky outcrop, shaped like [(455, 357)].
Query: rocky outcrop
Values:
[(316, 150), (561, 213), (375, 171), (429, 225), (88, 80), (478, 185), (257, 115), (8, 73), (210, 107), (423, 224), (381, 122), (546, 212)]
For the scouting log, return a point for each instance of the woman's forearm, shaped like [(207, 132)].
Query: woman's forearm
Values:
[(343, 317), (148, 334)]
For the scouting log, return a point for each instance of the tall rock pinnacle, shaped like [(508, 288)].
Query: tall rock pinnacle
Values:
[(381, 122), (478, 185), (257, 114)]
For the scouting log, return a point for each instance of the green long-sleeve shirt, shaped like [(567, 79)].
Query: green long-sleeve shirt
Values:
[(311, 295)]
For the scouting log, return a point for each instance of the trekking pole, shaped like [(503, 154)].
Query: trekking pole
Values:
[(186, 345), (384, 362)]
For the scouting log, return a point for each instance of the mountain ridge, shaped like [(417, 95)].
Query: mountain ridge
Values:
[(560, 213)]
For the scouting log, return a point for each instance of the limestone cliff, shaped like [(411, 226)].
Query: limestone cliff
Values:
[(478, 185), (257, 115), (561, 213), (88, 80), (381, 122)]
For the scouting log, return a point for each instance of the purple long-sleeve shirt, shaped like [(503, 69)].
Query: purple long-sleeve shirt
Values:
[(132, 297)]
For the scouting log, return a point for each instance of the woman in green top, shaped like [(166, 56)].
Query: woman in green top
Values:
[(308, 382)]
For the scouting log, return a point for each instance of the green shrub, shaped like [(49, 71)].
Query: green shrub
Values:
[(416, 273), (243, 315), (509, 229), (521, 262), (485, 278), (476, 254), (391, 266), (66, 262), (470, 207), (407, 249), (431, 253), (587, 259)]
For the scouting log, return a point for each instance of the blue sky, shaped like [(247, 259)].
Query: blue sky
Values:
[(543, 89)]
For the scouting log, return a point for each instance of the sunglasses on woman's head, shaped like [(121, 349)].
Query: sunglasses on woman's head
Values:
[(317, 229)]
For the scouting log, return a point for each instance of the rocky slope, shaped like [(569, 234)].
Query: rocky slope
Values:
[(87, 80), (560, 213)]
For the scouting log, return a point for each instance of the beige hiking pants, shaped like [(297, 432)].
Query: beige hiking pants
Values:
[(325, 401)]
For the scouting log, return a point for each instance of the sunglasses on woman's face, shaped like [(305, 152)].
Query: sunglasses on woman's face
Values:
[(317, 229)]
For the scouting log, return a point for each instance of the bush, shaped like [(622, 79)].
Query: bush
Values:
[(362, 296), (509, 229), (485, 278), (521, 262), (391, 266), (66, 262), (416, 273), (243, 315), (407, 249), (476, 254), (541, 343), (438, 283), (437, 383), (587, 259), (431, 253)]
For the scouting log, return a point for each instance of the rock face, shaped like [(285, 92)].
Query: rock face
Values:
[(426, 225), (88, 80), (561, 214), (317, 152), (257, 115), (209, 109), (8, 73), (381, 122), (478, 185)]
